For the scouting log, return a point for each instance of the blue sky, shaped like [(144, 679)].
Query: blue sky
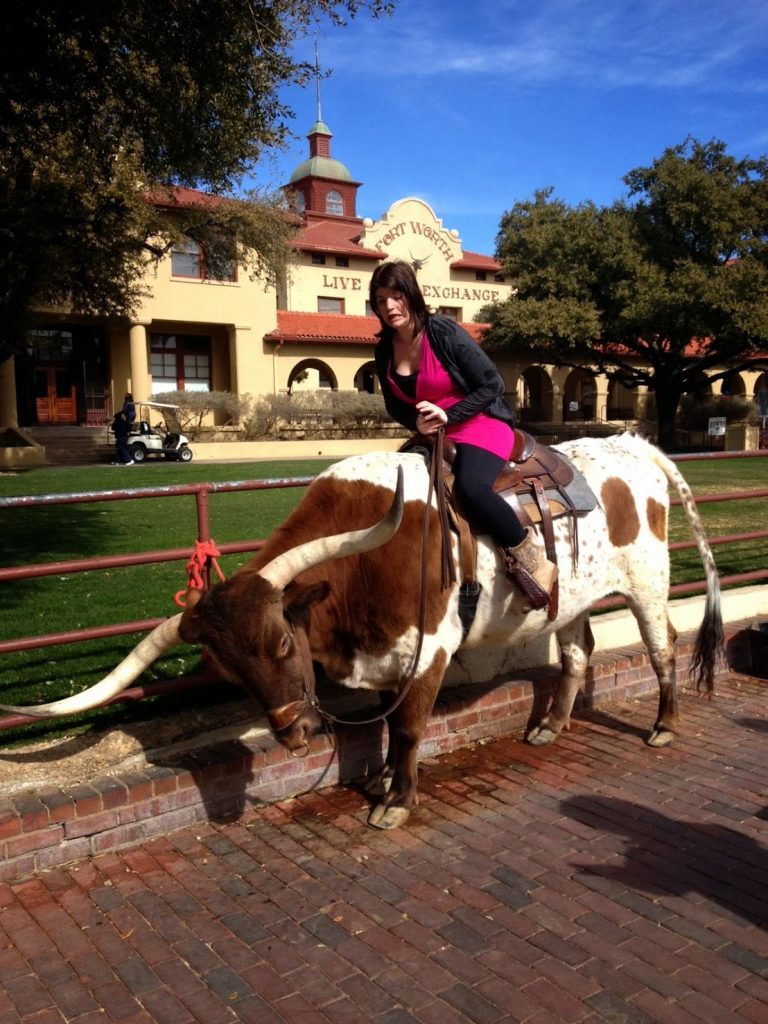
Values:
[(472, 106)]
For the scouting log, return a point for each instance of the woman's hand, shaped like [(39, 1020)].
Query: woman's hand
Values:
[(430, 418)]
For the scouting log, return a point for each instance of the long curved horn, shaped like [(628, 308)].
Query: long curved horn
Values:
[(286, 567), (161, 639)]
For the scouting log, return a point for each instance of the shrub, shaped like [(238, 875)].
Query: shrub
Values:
[(261, 415), (328, 413), (195, 406), (310, 414), (315, 414), (694, 413)]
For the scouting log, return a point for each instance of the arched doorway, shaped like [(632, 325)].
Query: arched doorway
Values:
[(579, 395), (621, 401), (366, 380), (312, 375), (702, 389), (761, 401), (535, 396), (733, 386)]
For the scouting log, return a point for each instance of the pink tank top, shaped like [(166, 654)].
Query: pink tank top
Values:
[(434, 384)]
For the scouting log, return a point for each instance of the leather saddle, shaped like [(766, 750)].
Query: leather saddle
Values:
[(539, 483)]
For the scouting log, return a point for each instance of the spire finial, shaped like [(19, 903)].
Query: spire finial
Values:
[(317, 82)]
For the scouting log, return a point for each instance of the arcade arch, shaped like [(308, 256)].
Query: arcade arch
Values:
[(733, 385), (579, 394), (366, 379), (535, 396), (620, 401), (701, 389), (312, 375)]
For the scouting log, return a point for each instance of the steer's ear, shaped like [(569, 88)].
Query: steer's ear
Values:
[(299, 598)]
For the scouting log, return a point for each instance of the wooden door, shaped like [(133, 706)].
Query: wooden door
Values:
[(55, 399)]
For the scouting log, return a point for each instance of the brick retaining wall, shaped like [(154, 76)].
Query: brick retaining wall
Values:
[(52, 827)]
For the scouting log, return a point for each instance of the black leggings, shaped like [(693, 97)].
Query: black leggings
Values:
[(475, 470)]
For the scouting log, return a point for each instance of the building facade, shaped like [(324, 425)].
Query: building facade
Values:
[(315, 330)]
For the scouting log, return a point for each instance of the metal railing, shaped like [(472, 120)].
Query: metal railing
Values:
[(201, 493)]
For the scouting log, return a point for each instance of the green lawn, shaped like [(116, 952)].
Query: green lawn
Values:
[(79, 600), (723, 518)]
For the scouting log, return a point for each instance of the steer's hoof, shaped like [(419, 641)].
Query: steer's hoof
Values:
[(660, 738), (388, 817), (541, 735)]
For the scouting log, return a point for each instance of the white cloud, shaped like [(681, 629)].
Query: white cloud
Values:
[(665, 44)]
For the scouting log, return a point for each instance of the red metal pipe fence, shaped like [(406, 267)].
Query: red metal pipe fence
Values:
[(201, 492)]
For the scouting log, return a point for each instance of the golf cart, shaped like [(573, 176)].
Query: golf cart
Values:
[(164, 439)]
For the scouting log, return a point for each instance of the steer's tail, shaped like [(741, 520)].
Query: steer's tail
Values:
[(710, 640)]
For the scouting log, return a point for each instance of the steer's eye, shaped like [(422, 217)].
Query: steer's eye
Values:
[(285, 645)]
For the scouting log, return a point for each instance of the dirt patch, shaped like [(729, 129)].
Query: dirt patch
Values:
[(71, 761)]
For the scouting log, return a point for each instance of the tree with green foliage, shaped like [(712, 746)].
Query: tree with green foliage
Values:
[(104, 106), (667, 288)]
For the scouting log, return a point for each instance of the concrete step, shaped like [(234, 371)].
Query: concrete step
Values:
[(73, 446)]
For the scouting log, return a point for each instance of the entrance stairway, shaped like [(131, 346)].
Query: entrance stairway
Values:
[(73, 446)]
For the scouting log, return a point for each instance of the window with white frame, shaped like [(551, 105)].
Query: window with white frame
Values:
[(180, 362), (334, 203), (188, 260), (329, 305)]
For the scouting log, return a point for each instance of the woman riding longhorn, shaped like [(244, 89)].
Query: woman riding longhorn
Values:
[(433, 375)]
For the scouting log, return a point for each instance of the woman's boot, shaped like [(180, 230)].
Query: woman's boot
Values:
[(531, 570)]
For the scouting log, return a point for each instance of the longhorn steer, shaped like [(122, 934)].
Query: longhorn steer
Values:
[(350, 601)]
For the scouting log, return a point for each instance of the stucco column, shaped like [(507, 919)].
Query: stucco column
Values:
[(557, 404), (601, 397), (511, 387), (140, 383), (559, 374), (9, 416), (242, 367), (641, 402)]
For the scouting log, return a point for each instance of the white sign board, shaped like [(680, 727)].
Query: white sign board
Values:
[(716, 427)]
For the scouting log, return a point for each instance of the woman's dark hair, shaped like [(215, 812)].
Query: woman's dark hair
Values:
[(400, 277)]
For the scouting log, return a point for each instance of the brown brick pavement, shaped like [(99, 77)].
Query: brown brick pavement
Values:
[(596, 880)]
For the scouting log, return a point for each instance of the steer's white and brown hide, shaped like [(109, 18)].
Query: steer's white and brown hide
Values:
[(351, 602)]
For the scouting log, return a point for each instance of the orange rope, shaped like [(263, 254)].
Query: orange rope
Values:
[(205, 550)]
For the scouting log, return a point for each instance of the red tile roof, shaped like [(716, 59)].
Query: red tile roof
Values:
[(184, 197), (339, 236), (475, 331), (324, 328), (335, 328), (476, 261), (334, 235)]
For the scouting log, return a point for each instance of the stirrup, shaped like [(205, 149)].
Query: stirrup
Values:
[(537, 596)]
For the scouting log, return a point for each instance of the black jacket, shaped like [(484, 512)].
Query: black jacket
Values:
[(467, 365)]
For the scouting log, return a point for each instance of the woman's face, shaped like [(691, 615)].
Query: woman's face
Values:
[(392, 306)]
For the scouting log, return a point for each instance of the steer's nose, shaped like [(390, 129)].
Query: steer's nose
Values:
[(297, 736)]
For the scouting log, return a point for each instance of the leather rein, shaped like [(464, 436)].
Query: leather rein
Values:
[(284, 716)]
